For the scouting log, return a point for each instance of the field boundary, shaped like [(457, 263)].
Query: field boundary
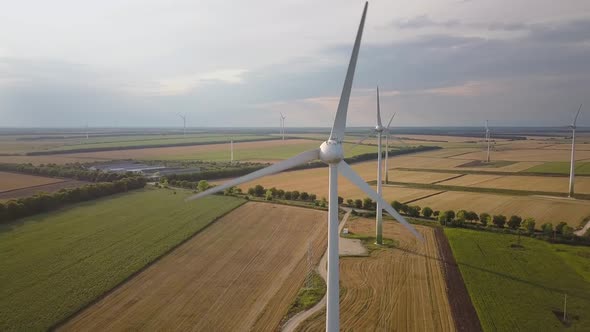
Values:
[(477, 172), (136, 273), (35, 186), (462, 309)]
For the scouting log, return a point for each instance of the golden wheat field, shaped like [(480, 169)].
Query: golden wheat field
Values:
[(240, 273), (396, 289), (543, 209)]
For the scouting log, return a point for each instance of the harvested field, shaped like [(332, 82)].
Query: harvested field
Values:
[(45, 188), (315, 181), (241, 273), (393, 289), (13, 181), (543, 209), (425, 160), (534, 183), (530, 155), (418, 177), (470, 180)]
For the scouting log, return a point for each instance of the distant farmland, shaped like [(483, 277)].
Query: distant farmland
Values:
[(53, 264), (516, 289), (14, 181)]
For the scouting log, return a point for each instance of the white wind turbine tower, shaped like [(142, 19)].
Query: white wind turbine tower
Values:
[(488, 141), (231, 147), (379, 212), (183, 117), (573, 159), (331, 153), (283, 125), (387, 133)]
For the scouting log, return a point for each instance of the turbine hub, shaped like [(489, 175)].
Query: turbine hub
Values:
[(378, 128), (331, 152)]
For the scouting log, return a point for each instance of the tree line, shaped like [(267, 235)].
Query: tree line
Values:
[(43, 202), (70, 171), (562, 232)]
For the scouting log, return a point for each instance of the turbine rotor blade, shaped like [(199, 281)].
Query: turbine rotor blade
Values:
[(351, 175), (378, 110), (299, 159), (339, 126), (389, 123), (576, 118)]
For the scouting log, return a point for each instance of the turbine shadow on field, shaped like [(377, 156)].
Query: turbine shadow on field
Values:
[(503, 275)]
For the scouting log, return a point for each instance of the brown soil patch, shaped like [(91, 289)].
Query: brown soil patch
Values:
[(241, 273), (45, 188), (12, 181), (464, 313), (400, 289)]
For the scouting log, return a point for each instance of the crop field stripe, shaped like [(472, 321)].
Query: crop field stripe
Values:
[(67, 258), (511, 192), (156, 260), (464, 314), (519, 289), (447, 179), (423, 197)]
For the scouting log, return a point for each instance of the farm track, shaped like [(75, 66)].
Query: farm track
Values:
[(241, 273), (46, 188), (393, 289)]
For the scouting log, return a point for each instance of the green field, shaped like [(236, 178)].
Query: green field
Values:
[(518, 289), (277, 152), (147, 141), (53, 264), (558, 167)]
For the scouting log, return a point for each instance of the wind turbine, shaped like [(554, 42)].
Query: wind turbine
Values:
[(488, 141), (86, 130), (387, 132), (183, 117), (231, 147), (573, 160), (331, 153), (379, 212), (283, 125)]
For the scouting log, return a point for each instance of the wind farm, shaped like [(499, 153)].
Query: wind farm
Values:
[(385, 206)]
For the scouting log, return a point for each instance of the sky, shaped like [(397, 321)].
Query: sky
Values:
[(239, 63)]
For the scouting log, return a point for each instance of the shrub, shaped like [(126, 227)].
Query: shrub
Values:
[(312, 197), (559, 227), (268, 195), (350, 202), (427, 212), (413, 211), (304, 196), (547, 228), (529, 225), (295, 195), (484, 219), (340, 200), (358, 203), (368, 203), (258, 190), (288, 195)]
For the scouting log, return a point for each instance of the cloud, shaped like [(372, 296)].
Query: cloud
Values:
[(424, 21)]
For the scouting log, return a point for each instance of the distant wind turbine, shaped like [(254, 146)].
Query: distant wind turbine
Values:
[(330, 152), (231, 147), (86, 130), (183, 117), (488, 141), (573, 159), (283, 125)]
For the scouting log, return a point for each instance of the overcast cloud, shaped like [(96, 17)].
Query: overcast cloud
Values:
[(138, 63)]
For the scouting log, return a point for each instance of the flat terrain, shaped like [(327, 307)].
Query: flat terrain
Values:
[(53, 264), (243, 151), (543, 209), (45, 188), (522, 289), (13, 181), (241, 273), (401, 289)]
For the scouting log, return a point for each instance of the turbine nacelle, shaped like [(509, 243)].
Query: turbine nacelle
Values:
[(331, 152), (379, 128)]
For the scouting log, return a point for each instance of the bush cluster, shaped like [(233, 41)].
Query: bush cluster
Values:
[(213, 174), (43, 202)]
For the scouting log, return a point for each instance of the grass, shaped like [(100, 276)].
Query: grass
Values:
[(518, 289), (56, 263), (277, 152), (308, 295), (558, 167), (155, 141)]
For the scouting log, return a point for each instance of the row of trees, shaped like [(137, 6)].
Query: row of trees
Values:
[(274, 193), (463, 218), (23, 207), (214, 174), (70, 171)]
